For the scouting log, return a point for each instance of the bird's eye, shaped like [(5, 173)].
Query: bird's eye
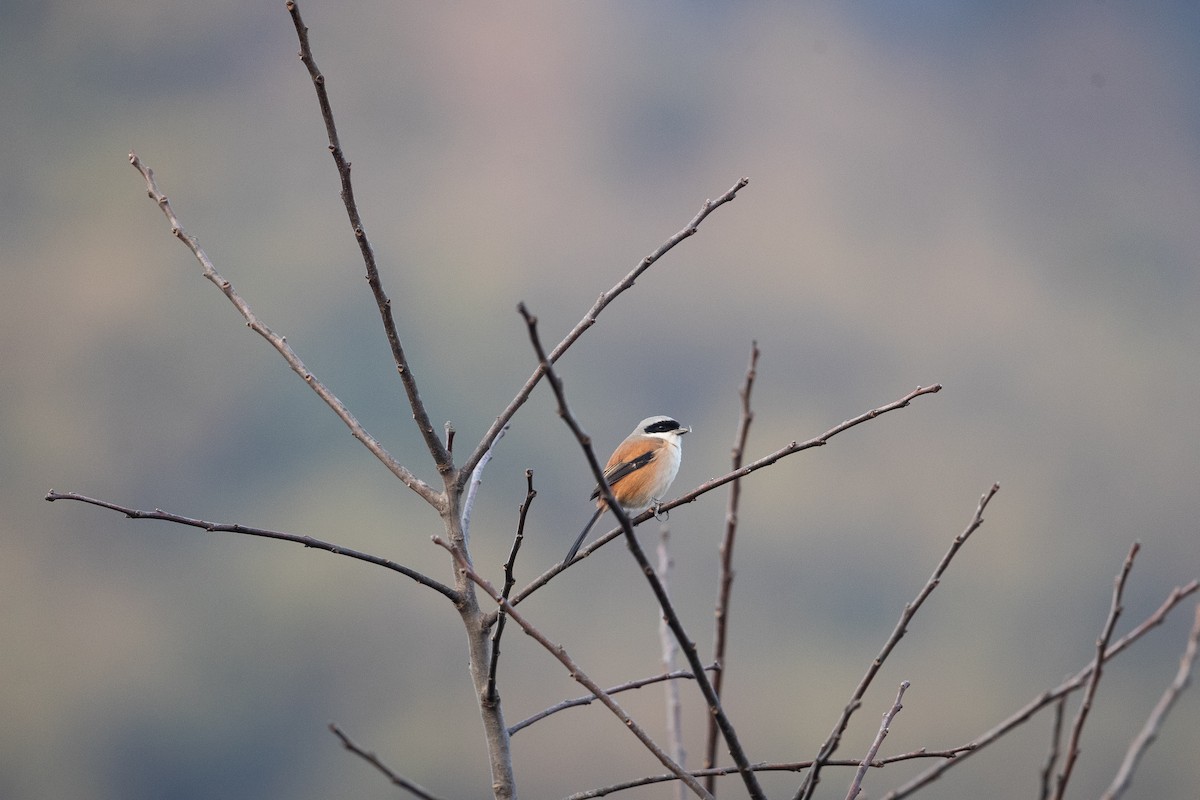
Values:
[(662, 426)]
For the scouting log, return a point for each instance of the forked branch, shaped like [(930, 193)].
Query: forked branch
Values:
[(1089, 692), (427, 492), (1022, 715), (560, 653), (1149, 731), (827, 749)]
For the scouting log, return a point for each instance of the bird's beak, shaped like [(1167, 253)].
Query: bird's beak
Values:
[(682, 431)]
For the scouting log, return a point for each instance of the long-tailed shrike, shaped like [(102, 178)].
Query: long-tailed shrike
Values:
[(640, 470)]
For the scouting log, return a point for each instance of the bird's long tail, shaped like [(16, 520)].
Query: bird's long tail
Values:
[(575, 547)]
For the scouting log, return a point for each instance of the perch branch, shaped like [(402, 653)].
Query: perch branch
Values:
[(660, 593), (716, 483)]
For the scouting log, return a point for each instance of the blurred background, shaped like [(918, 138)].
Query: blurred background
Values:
[(1000, 197)]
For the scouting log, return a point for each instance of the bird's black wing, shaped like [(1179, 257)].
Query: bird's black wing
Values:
[(618, 471)]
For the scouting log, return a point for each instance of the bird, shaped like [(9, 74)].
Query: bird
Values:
[(640, 470)]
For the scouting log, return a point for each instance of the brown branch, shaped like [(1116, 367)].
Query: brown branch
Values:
[(587, 699), (827, 749), (791, 766), (1177, 595), (373, 760), (509, 582), (660, 593), (715, 483), (589, 319), (1149, 731), (725, 551), (439, 451), (1089, 692), (427, 492), (577, 674), (873, 750), (670, 649), (225, 527), (1047, 774)]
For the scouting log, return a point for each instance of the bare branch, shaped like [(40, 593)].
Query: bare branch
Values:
[(226, 527), (725, 550), (1052, 757), (827, 749), (577, 674), (790, 766), (1089, 692), (509, 581), (664, 602), (430, 495), (587, 699), (373, 760), (1149, 731), (873, 750), (589, 319), (439, 451), (704, 488), (1177, 595), (669, 651)]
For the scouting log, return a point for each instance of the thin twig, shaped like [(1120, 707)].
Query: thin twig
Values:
[(827, 749), (873, 750), (589, 319), (373, 760), (427, 492), (227, 527), (1089, 692), (577, 674), (1048, 768), (1177, 595), (1149, 731), (725, 551), (669, 651), (588, 698), (439, 451), (791, 766), (715, 483), (688, 646), (509, 581)]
